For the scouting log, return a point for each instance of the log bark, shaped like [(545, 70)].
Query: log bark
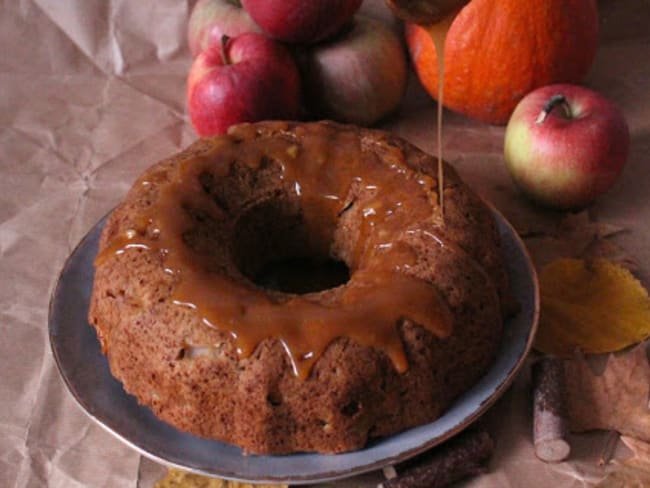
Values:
[(550, 421), (461, 457)]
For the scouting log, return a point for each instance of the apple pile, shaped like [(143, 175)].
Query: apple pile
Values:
[(284, 59)]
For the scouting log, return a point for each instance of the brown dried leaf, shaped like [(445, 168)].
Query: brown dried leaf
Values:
[(581, 229), (177, 478), (606, 249), (592, 306), (640, 454), (616, 400), (625, 477), (631, 472), (576, 235)]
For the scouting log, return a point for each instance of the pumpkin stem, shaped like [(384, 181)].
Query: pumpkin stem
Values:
[(224, 52), (549, 106)]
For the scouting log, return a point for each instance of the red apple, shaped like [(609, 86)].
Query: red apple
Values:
[(301, 21), (210, 20), (565, 145), (246, 79), (359, 76)]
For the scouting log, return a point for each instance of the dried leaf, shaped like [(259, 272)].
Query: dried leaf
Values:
[(640, 454), (616, 400), (177, 478), (580, 229), (606, 249), (625, 477), (575, 236), (592, 306), (631, 472)]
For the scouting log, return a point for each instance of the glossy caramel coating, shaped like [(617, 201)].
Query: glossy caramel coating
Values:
[(189, 333)]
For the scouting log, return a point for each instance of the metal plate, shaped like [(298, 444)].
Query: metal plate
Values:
[(86, 373)]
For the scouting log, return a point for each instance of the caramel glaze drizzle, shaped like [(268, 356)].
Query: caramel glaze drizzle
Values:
[(438, 33), (321, 171)]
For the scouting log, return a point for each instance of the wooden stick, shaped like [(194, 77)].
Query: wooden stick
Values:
[(549, 410), (455, 460)]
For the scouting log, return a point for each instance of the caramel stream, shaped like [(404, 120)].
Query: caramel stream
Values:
[(438, 33), (392, 200)]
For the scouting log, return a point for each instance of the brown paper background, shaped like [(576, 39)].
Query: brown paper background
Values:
[(92, 92)]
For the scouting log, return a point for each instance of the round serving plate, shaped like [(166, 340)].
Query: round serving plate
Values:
[(86, 373)]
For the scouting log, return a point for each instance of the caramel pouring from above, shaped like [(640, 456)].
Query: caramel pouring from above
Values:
[(438, 33), (321, 173), (436, 16), (424, 12)]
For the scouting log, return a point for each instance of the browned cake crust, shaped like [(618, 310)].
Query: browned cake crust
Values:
[(191, 375)]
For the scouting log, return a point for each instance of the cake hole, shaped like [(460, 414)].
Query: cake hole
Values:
[(274, 399), (303, 275), (209, 186), (350, 409), (274, 248), (207, 182), (324, 425), (193, 352)]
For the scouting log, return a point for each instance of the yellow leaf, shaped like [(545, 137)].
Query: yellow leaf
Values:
[(592, 306), (176, 478)]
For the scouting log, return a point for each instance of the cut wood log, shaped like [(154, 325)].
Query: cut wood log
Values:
[(461, 457), (550, 421)]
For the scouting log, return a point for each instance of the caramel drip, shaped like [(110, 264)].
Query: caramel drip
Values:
[(323, 170), (438, 33)]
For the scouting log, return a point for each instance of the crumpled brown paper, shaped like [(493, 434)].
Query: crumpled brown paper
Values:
[(92, 92)]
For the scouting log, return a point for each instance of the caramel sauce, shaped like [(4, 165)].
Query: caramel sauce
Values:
[(438, 33), (321, 171)]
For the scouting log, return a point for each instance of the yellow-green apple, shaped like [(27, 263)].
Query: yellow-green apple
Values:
[(246, 79), (210, 20), (359, 76), (565, 145), (301, 21)]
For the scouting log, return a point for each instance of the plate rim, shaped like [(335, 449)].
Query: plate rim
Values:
[(325, 476)]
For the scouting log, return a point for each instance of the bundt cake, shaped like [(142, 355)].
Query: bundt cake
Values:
[(192, 329)]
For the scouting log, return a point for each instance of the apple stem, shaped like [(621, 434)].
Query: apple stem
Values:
[(555, 101), (224, 50)]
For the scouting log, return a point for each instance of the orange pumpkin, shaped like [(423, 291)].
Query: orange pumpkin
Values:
[(499, 50)]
